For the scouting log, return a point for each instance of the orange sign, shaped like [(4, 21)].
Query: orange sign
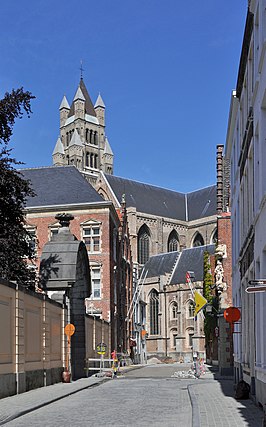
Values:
[(232, 314), (69, 329)]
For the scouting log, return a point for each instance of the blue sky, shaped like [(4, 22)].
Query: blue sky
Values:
[(165, 70)]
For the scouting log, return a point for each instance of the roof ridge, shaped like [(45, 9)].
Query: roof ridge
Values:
[(163, 188), (47, 167)]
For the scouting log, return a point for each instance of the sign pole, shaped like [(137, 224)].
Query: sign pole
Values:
[(69, 331)]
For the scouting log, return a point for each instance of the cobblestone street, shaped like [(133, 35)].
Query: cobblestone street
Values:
[(141, 397)]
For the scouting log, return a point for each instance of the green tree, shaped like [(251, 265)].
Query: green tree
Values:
[(210, 322), (14, 190)]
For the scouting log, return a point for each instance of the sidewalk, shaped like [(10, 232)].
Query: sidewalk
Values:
[(214, 405), (20, 404), (14, 406)]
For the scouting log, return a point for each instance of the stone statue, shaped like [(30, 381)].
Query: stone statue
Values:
[(219, 277)]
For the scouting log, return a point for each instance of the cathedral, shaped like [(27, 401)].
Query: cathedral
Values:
[(160, 222)]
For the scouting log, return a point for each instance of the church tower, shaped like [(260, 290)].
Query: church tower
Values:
[(82, 141)]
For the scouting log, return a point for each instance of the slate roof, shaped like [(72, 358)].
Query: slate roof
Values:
[(160, 264), (89, 109), (59, 185), (159, 201), (201, 203), (191, 260), (148, 198)]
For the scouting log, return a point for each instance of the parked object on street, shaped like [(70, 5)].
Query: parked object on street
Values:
[(242, 390)]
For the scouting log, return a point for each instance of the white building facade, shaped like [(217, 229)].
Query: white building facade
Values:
[(246, 149)]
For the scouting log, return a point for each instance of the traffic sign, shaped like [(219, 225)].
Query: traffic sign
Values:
[(255, 289), (200, 302), (232, 314), (69, 329), (101, 348), (257, 282)]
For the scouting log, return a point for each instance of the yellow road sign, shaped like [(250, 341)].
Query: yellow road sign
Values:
[(200, 302)]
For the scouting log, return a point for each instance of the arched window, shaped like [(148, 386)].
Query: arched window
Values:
[(86, 135), (173, 243), (143, 244), (173, 338), (95, 161), (190, 309), (95, 138), (173, 310), (214, 238), (189, 337), (154, 312), (87, 159), (198, 240)]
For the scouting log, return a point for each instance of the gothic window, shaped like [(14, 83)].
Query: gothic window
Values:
[(190, 309), (87, 159), (90, 136), (143, 244), (173, 335), (198, 240), (95, 138), (173, 310), (173, 243), (91, 237), (214, 238), (189, 336), (154, 312), (95, 161), (86, 135)]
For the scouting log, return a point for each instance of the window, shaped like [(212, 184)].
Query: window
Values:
[(53, 231), (190, 309), (173, 243), (91, 237), (174, 310), (143, 244), (154, 312), (95, 282), (189, 334), (214, 238), (198, 240), (32, 240)]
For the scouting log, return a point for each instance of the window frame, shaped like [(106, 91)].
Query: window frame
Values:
[(91, 246), (154, 312)]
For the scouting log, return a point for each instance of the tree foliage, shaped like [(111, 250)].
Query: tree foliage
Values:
[(14, 190), (210, 322)]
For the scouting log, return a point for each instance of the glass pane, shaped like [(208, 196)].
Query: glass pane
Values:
[(97, 293), (87, 231), (96, 230)]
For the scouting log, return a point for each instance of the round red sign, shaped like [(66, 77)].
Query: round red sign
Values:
[(232, 314)]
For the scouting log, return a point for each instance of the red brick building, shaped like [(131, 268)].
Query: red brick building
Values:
[(97, 223)]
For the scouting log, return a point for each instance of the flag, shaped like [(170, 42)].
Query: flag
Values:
[(200, 302)]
